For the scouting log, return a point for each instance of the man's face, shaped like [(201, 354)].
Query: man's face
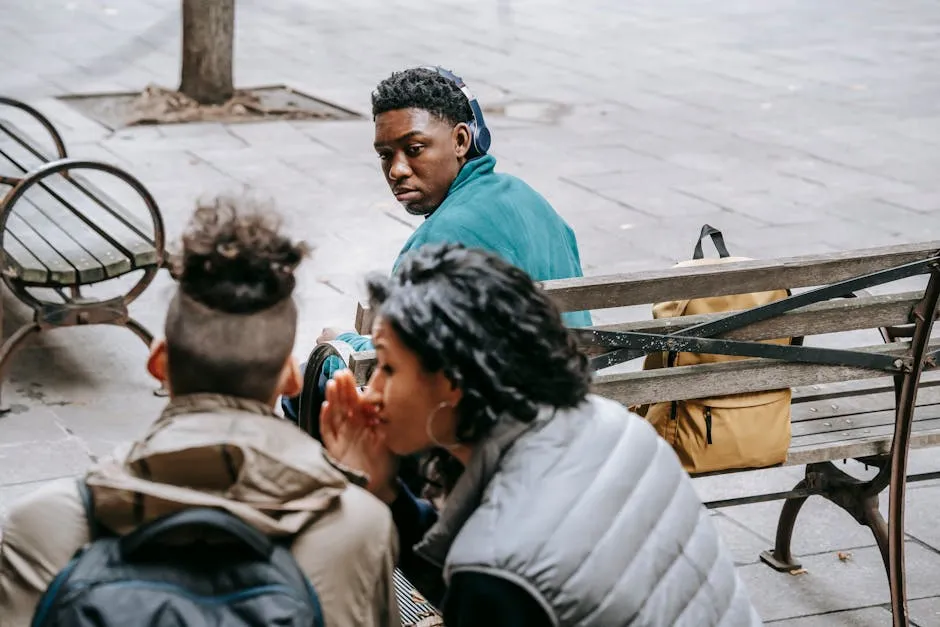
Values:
[(421, 156)]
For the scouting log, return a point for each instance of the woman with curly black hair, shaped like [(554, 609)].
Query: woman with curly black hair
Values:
[(562, 507)]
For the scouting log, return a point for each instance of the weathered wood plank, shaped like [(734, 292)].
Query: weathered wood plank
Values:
[(850, 407), (93, 192), (876, 441), (22, 264), (845, 389), (117, 227), (117, 246), (639, 288), (52, 244), (846, 314), (748, 375), (45, 264), (365, 316), (59, 239), (847, 426), (865, 312), (929, 437), (360, 363)]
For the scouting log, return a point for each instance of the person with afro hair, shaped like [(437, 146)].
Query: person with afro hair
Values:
[(423, 138)]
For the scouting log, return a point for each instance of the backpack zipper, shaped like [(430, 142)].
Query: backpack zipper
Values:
[(708, 424), (674, 408)]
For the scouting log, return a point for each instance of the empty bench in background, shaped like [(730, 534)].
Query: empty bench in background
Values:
[(843, 406), (59, 233)]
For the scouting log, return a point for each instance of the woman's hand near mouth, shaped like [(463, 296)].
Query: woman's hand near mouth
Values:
[(349, 429)]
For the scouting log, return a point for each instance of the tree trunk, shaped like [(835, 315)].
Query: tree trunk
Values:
[(208, 46)]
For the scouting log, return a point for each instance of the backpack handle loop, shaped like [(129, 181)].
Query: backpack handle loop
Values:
[(200, 517), (717, 239)]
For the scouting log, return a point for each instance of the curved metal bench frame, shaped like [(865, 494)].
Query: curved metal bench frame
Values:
[(43, 120), (76, 309)]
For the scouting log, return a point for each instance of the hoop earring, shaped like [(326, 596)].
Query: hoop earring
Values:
[(430, 431)]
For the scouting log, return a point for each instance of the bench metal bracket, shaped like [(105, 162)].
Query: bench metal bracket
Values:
[(850, 493)]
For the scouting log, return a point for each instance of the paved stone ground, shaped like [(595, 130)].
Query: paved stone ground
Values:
[(795, 126)]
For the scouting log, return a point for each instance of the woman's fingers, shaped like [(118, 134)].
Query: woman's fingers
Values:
[(331, 392), (350, 395), (327, 424)]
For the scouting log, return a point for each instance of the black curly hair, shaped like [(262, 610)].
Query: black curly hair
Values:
[(422, 88), (231, 326), (492, 332)]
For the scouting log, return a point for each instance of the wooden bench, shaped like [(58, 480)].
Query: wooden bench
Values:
[(59, 233), (856, 403)]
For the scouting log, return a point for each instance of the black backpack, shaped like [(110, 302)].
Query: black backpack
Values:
[(232, 575)]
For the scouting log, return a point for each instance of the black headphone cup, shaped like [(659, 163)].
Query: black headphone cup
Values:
[(479, 140), (483, 138)]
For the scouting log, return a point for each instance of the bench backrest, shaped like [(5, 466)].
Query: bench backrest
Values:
[(832, 316)]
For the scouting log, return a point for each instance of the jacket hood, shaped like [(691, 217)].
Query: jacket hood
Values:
[(222, 452)]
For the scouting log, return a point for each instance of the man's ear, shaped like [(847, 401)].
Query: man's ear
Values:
[(157, 362), (462, 140), (292, 382)]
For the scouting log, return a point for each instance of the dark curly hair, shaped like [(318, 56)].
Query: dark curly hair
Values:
[(492, 332), (231, 327), (233, 258), (422, 88)]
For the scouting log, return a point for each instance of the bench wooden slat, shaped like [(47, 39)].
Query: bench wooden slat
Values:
[(113, 209), (852, 314), (854, 405), (45, 264), (640, 288), (845, 389), (22, 263), (747, 375), (133, 222), (877, 441), (849, 426), (68, 235), (859, 448), (360, 363), (61, 240), (114, 238)]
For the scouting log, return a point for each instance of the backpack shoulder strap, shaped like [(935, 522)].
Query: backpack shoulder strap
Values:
[(95, 530)]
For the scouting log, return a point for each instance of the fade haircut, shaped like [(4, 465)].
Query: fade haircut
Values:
[(421, 88), (231, 325)]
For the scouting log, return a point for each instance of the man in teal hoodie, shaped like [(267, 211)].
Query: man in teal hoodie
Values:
[(432, 141)]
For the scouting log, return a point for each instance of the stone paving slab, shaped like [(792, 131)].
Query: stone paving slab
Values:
[(925, 611), (868, 617), (831, 584)]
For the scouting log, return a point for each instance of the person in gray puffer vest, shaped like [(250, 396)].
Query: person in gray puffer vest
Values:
[(562, 508)]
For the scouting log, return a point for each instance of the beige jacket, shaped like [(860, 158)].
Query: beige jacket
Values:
[(214, 451)]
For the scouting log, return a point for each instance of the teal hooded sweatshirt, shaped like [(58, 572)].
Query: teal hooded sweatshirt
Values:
[(502, 214)]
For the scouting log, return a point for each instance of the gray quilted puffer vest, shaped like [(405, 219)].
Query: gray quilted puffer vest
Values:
[(590, 511)]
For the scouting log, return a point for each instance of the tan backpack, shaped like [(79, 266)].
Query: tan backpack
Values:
[(749, 430)]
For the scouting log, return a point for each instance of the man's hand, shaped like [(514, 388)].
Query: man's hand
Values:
[(328, 334), (348, 428)]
